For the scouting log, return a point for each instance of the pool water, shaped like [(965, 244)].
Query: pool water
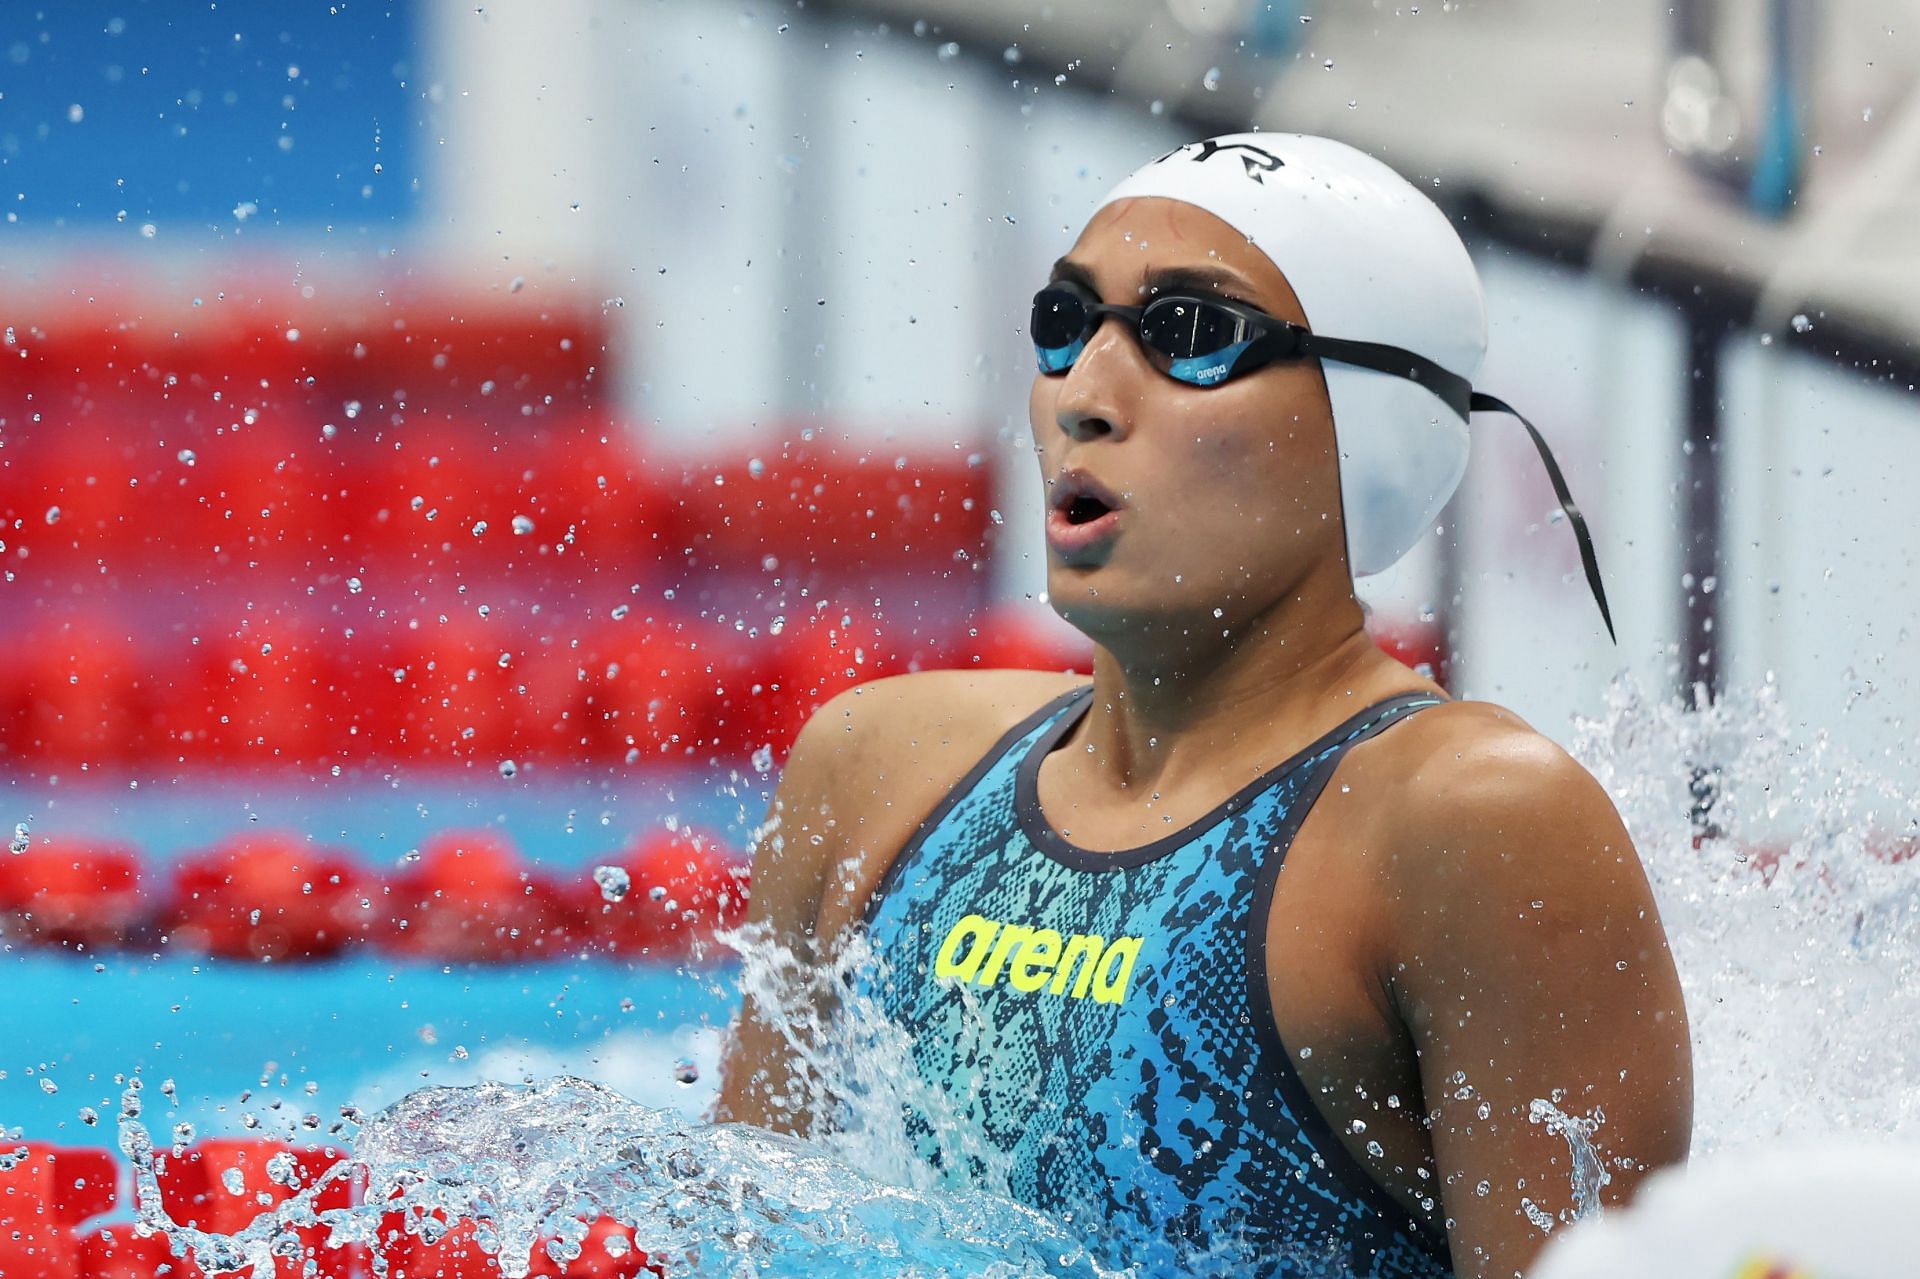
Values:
[(1784, 872), (361, 1031)]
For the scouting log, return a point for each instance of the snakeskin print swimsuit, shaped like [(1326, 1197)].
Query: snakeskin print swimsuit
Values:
[(1103, 1020)]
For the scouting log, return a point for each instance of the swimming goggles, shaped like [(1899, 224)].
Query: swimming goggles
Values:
[(1206, 341)]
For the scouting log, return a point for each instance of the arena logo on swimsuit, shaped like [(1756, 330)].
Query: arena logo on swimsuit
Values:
[(979, 950)]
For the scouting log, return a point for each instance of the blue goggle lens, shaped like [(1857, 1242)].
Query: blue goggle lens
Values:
[(1188, 339)]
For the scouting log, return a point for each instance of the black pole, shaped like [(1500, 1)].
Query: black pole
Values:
[(1702, 516)]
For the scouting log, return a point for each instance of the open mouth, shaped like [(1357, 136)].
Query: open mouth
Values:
[(1084, 510)]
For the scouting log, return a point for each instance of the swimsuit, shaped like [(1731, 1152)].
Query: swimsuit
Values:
[(1102, 1020)]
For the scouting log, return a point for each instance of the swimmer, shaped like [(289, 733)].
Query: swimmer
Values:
[(1254, 951)]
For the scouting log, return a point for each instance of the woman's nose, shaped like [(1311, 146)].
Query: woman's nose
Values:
[(1101, 382)]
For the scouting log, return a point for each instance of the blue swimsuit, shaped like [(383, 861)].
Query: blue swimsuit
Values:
[(1103, 1019)]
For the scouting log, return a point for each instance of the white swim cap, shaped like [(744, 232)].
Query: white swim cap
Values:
[(1838, 1212), (1371, 259)]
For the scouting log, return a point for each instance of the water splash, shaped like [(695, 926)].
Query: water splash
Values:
[(1785, 874), (1589, 1175), (533, 1165), (852, 1072)]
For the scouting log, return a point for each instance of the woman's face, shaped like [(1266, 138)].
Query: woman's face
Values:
[(1229, 497)]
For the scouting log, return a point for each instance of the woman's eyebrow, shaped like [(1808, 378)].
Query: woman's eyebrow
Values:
[(1068, 269), (1209, 279)]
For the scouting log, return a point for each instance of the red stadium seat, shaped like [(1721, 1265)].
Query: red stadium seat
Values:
[(1414, 645), (84, 698), (836, 508), (455, 699), (260, 695), (654, 688), (1012, 638), (822, 654)]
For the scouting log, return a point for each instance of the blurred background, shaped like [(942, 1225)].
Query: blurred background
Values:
[(447, 449)]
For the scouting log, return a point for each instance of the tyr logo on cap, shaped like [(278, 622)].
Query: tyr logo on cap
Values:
[(1267, 162)]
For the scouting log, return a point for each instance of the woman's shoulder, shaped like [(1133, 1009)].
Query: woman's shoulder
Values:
[(933, 710), (874, 761)]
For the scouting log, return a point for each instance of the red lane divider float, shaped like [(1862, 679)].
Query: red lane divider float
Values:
[(608, 1252), (679, 887), (72, 892), (49, 1196), (471, 898), (223, 1184), (121, 1252), (467, 897), (269, 897), (45, 1192)]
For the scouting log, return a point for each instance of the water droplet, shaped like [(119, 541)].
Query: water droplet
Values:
[(508, 768), (763, 760), (1801, 324), (620, 611), (948, 51), (48, 1087), (479, 527), (614, 882), (355, 586), (656, 893), (234, 1181), (523, 524), (685, 1072), (1357, 1127), (186, 457), (1211, 80), (21, 838), (53, 515)]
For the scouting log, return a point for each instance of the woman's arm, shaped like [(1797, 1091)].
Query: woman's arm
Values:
[(1532, 967), (762, 1080)]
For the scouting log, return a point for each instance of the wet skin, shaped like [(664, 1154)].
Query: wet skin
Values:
[(1462, 921)]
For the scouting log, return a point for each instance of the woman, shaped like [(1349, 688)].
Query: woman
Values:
[(1252, 387)]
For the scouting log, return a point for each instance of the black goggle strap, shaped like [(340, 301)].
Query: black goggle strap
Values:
[(1454, 391), (1481, 402)]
